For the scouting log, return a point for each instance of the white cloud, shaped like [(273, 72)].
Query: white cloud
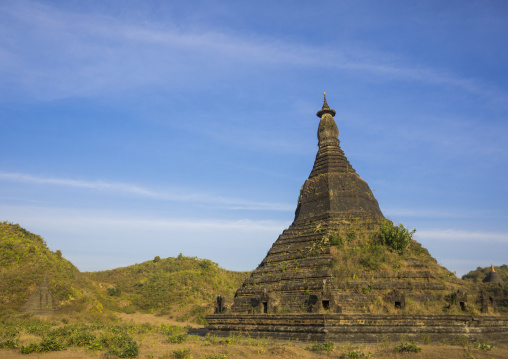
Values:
[(461, 235), (426, 213), (168, 195), (98, 239), (104, 54), (76, 219)]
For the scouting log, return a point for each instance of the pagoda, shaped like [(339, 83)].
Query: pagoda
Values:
[(493, 277), (342, 271)]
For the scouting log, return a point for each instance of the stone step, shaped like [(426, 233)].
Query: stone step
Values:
[(295, 247), (310, 285), (400, 275), (289, 275), (296, 255), (297, 263)]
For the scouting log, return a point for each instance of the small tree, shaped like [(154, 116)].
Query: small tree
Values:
[(398, 238), (156, 259)]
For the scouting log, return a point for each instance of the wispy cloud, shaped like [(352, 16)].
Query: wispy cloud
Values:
[(440, 213), (117, 187), (74, 220), (461, 235), (49, 51), (426, 213), (95, 239)]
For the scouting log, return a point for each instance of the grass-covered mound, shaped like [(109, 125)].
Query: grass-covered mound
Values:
[(376, 260), (186, 284), (24, 260), (389, 248)]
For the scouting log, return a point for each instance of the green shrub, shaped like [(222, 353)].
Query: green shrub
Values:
[(8, 332), (336, 240), (356, 354), (407, 347), (351, 235), (170, 330), (9, 344), (30, 348), (182, 354), (81, 339), (397, 238), (124, 346), (46, 345), (318, 347), (207, 264), (216, 356), (37, 328), (373, 256), (177, 339), (486, 347)]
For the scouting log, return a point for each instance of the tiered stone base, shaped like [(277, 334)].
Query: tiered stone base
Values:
[(361, 328)]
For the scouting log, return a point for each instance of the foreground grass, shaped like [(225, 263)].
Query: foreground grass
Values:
[(108, 337)]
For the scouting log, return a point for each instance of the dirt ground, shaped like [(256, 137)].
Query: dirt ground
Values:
[(155, 345), (138, 318)]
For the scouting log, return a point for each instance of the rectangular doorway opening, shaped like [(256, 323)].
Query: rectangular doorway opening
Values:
[(463, 306), (398, 305), (326, 304), (265, 307)]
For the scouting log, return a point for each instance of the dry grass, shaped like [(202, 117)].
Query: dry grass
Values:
[(156, 345), (141, 318)]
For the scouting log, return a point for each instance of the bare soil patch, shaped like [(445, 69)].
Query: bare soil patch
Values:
[(140, 318)]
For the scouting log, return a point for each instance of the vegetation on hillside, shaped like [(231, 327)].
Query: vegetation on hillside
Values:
[(365, 253), (188, 284), (24, 260), (185, 284), (388, 248), (479, 274)]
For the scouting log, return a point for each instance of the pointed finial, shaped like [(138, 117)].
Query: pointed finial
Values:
[(325, 108)]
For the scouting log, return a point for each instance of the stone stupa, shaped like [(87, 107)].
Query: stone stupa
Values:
[(327, 277), (493, 277), (40, 301)]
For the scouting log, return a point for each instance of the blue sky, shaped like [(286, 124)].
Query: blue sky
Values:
[(135, 129)]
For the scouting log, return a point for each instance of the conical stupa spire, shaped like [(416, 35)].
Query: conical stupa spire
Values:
[(325, 109), (334, 188)]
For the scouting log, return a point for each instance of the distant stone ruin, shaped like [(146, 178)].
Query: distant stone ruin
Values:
[(41, 301), (326, 277), (493, 277)]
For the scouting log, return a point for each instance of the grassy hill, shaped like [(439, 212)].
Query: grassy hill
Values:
[(185, 285), (479, 274), (24, 260)]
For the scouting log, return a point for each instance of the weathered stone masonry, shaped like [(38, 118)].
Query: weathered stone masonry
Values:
[(295, 293)]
